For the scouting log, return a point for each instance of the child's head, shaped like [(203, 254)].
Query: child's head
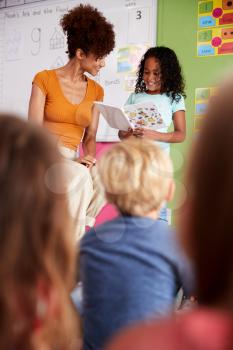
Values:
[(137, 176), (37, 254), (160, 72), (207, 219)]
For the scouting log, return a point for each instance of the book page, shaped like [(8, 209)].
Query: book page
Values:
[(114, 116), (144, 114)]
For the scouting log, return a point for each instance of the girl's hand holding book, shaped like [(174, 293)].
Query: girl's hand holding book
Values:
[(124, 134)]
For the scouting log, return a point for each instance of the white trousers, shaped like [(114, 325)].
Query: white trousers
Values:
[(85, 193)]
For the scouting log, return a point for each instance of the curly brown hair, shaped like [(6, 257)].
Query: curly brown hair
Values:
[(172, 81), (35, 235), (87, 29)]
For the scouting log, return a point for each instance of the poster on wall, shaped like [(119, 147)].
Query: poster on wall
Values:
[(214, 13), (215, 28), (202, 96), (215, 41)]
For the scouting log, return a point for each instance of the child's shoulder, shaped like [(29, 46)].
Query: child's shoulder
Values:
[(175, 97), (108, 232)]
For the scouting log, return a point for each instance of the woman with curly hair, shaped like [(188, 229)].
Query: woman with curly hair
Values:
[(160, 81), (62, 100)]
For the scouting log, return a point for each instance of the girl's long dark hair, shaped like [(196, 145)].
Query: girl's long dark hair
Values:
[(172, 82)]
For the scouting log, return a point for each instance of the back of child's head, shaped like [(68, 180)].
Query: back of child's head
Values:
[(136, 175), (35, 237), (171, 73), (207, 220)]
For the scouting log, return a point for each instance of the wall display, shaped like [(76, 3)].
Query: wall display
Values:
[(33, 41), (215, 23), (213, 13), (215, 41), (202, 96)]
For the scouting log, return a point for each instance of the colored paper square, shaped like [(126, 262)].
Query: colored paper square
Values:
[(206, 7), (227, 18), (227, 5), (201, 108), (205, 35), (207, 21), (205, 50), (202, 94), (226, 48), (227, 33)]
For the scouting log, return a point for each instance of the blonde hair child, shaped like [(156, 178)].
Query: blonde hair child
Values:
[(131, 267)]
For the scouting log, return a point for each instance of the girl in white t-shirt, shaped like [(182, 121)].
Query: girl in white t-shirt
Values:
[(160, 81)]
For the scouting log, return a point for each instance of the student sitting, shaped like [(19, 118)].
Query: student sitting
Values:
[(36, 243), (131, 267)]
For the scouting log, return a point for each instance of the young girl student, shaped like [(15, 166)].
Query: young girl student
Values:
[(160, 81)]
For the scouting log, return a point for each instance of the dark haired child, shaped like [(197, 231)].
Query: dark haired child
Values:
[(160, 81)]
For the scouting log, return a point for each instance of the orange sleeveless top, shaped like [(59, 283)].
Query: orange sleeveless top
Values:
[(64, 119)]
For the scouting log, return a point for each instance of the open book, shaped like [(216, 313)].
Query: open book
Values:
[(144, 114)]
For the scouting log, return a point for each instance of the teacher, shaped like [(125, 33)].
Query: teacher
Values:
[(62, 100)]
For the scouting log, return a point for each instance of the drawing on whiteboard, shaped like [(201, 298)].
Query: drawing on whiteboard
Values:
[(36, 39), (57, 40), (57, 63), (13, 45), (11, 3), (130, 82), (35, 42), (129, 57), (129, 3)]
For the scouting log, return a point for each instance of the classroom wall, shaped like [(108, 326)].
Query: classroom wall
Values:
[(177, 29)]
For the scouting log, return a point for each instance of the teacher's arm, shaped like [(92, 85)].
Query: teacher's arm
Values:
[(89, 140), (36, 105)]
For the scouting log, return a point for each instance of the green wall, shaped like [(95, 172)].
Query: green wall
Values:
[(177, 29)]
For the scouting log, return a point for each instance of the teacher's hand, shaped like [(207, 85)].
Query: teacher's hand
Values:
[(87, 161)]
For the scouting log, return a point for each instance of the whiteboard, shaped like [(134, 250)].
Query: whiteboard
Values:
[(32, 40)]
